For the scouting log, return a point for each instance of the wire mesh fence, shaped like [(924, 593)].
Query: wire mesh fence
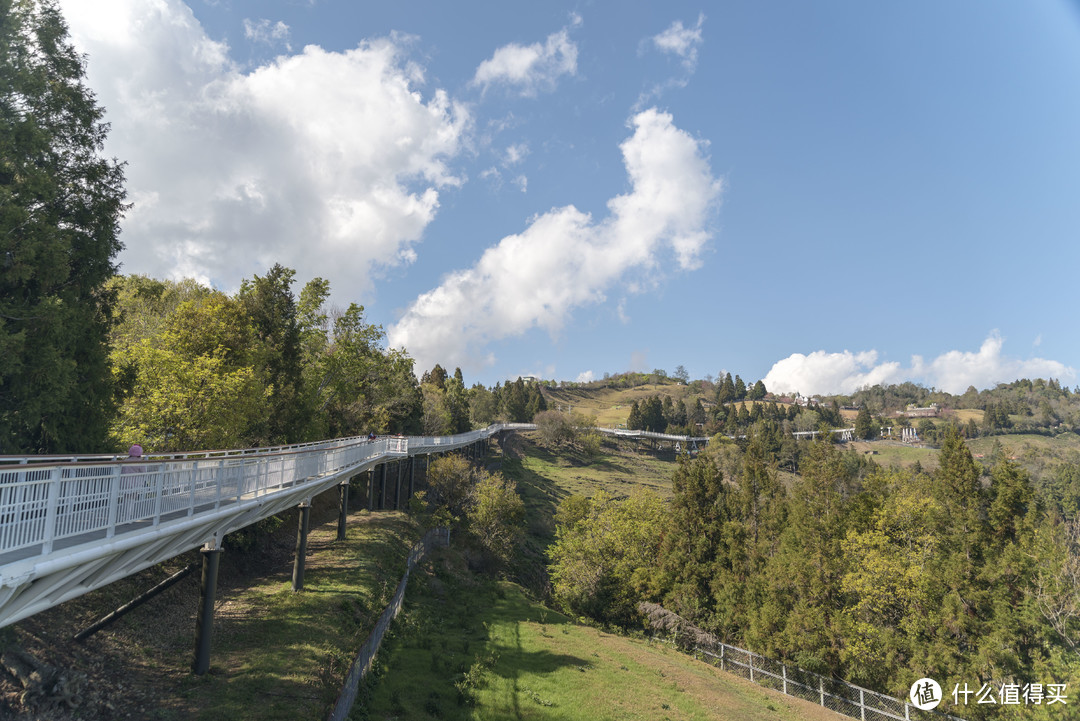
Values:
[(831, 693), (366, 656)]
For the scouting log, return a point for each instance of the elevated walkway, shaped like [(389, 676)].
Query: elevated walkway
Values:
[(71, 524)]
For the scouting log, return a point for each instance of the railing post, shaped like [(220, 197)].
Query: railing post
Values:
[(751, 666), (821, 689), (862, 705), (52, 500), (114, 501), (783, 670), (159, 483), (722, 647)]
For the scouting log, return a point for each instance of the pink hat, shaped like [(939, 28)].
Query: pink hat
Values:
[(135, 451)]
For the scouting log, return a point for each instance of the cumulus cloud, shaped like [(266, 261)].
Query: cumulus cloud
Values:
[(265, 32), (956, 370), (585, 377), (821, 372), (515, 154), (565, 259), (530, 68), (953, 371), (681, 41), (328, 162)]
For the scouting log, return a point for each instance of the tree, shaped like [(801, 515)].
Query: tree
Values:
[(682, 374), (496, 515), (555, 428), (192, 385), (60, 209), (758, 392), (726, 392), (864, 425), (634, 421), (272, 308), (740, 389)]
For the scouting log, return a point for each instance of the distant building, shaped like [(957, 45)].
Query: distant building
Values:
[(931, 411)]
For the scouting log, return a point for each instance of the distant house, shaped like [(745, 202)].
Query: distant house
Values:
[(931, 411)]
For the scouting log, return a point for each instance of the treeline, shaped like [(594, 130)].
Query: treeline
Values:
[(879, 576), (195, 368), (450, 407)]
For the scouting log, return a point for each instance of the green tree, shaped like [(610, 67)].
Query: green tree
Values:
[(864, 425), (603, 564), (60, 209), (726, 392), (272, 309), (681, 374), (634, 421), (496, 516), (740, 389), (193, 385), (758, 392)]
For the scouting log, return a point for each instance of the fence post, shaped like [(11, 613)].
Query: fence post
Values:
[(862, 706), (821, 689), (783, 669), (51, 502), (722, 647), (751, 666)]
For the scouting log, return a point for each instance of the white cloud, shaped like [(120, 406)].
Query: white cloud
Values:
[(330, 163), (822, 372), (522, 183), (268, 33), (585, 377), (530, 68), (515, 154), (956, 370), (681, 41), (953, 371), (565, 259)]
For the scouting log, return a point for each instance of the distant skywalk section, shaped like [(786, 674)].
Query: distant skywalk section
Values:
[(71, 524)]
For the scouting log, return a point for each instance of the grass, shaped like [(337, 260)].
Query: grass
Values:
[(611, 406), (895, 454), (479, 650), (282, 655), (545, 477)]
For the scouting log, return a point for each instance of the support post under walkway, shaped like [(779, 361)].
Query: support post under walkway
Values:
[(343, 509), (301, 547), (204, 624)]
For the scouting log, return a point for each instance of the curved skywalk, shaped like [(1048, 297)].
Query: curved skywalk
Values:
[(71, 524)]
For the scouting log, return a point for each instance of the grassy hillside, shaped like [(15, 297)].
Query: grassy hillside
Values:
[(474, 649), (275, 654), (611, 406)]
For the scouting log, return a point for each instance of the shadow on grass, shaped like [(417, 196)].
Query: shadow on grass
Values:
[(282, 655)]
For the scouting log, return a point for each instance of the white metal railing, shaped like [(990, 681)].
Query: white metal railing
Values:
[(623, 433), (44, 500), (41, 504)]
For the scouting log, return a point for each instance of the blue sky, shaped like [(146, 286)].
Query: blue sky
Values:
[(823, 195)]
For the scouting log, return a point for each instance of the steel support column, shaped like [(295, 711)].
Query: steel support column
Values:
[(382, 489), (412, 475), (370, 489), (343, 509), (204, 624), (301, 547), (397, 487)]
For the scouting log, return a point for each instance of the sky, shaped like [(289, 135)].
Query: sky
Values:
[(821, 195)]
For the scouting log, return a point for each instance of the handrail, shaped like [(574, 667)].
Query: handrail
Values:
[(45, 503)]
